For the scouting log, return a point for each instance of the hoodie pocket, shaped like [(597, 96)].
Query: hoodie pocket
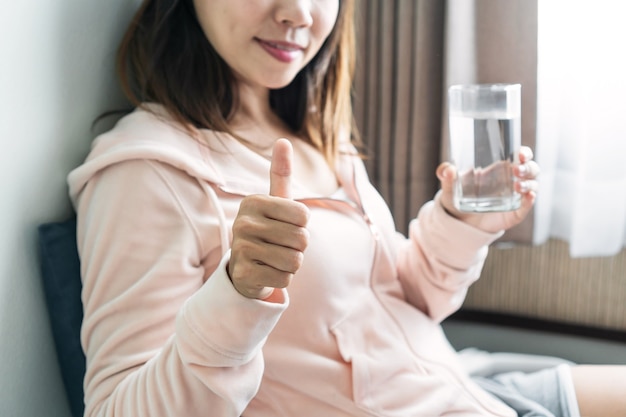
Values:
[(387, 378)]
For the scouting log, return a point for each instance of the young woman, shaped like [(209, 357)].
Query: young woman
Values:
[(229, 273)]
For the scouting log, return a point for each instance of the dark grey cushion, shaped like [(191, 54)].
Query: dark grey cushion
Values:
[(60, 267)]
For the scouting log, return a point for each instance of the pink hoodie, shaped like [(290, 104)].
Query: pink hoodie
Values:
[(166, 334)]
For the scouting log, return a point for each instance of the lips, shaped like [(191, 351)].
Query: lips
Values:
[(280, 50)]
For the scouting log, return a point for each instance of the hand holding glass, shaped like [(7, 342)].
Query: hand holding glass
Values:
[(485, 137)]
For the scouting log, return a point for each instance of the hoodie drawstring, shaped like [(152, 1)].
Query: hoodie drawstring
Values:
[(221, 216)]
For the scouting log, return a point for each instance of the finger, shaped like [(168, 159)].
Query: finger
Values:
[(525, 154), (528, 170), (257, 289), (270, 277), (253, 267), (528, 200), (286, 235), (280, 169), (283, 232), (256, 209), (266, 266), (279, 258), (446, 172), (528, 186)]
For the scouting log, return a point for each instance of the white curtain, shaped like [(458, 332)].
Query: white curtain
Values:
[(581, 125)]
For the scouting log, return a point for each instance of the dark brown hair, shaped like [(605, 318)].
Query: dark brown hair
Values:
[(166, 58)]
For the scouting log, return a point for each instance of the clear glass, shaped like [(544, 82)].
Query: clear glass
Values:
[(485, 137)]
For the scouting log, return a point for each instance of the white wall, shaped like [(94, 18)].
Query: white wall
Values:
[(56, 76)]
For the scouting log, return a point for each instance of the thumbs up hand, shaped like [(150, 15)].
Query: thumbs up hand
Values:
[(269, 233)]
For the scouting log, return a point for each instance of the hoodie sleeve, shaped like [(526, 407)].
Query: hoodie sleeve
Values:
[(441, 259), (160, 339)]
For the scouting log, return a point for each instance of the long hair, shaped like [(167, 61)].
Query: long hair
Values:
[(166, 58)]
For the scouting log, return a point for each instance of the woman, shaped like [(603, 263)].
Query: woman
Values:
[(226, 272)]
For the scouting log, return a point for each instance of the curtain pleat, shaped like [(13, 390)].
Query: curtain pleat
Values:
[(398, 99)]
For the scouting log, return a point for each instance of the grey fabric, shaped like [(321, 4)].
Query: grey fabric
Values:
[(479, 362), (543, 393)]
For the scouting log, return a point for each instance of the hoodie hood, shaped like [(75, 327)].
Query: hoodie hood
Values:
[(150, 133)]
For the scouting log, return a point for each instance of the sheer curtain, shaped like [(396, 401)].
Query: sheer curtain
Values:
[(581, 125)]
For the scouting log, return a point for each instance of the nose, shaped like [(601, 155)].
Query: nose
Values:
[(294, 13)]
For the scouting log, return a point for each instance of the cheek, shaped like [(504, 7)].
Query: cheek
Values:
[(214, 17), (321, 30), (327, 17)]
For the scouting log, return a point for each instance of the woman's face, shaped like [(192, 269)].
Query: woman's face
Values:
[(267, 42)]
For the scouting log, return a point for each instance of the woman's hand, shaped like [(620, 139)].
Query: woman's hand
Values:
[(526, 172), (269, 233)]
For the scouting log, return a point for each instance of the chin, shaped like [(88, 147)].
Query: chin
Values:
[(278, 81), (277, 85)]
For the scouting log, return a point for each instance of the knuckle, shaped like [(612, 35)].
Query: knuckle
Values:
[(252, 203), (245, 224), (246, 246), (295, 261), (527, 152), (302, 238), (241, 270), (534, 167), (303, 213), (299, 260), (246, 203), (239, 226), (282, 280)]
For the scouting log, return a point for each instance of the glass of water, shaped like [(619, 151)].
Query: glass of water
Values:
[(485, 137)]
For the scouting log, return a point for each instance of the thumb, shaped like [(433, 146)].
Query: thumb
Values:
[(446, 172), (280, 169)]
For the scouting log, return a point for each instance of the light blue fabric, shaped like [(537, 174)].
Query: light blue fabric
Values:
[(544, 393)]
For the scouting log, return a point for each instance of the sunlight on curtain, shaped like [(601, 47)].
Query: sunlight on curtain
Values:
[(581, 125)]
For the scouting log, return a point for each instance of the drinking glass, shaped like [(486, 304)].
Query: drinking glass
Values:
[(485, 137)]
